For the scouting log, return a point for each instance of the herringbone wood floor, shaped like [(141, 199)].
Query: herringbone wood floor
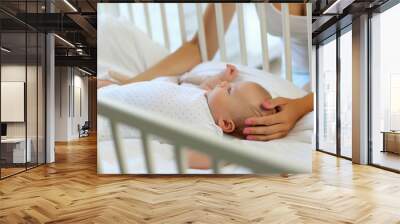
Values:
[(70, 191)]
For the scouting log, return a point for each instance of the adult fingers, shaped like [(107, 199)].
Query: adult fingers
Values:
[(265, 130), (264, 120), (103, 83), (117, 76), (266, 137), (272, 103)]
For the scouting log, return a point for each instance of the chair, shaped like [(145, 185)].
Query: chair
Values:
[(84, 130)]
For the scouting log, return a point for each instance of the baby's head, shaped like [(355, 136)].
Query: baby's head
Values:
[(232, 103)]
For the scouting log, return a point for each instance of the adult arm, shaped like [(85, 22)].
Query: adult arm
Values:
[(278, 125), (188, 55), (197, 160)]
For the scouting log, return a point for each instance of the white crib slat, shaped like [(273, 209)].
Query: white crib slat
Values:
[(220, 30), (242, 35), (147, 153), (309, 36), (201, 33), (132, 9), (165, 25), (148, 22), (131, 12), (216, 166), (180, 159), (264, 36), (118, 147), (287, 41), (182, 22), (245, 155)]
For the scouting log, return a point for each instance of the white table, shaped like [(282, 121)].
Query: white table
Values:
[(19, 155)]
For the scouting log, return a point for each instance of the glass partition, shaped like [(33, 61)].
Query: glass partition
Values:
[(346, 94), (31, 98), (22, 78), (14, 154), (327, 97), (41, 88)]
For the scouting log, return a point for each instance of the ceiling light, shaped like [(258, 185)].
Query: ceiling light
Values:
[(337, 7), (70, 5), (84, 71), (5, 50), (65, 41)]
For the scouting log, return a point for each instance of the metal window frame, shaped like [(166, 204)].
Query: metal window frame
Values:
[(335, 37), (387, 5)]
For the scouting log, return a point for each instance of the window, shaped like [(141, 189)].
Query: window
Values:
[(346, 94), (385, 89), (394, 101), (327, 97)]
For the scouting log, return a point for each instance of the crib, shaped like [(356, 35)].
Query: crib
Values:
[(220, 150)]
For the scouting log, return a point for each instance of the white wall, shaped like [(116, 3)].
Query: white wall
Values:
[(71, 94), (11, 73), (79, 115), (34, 126), (61, 103), (14, 73)]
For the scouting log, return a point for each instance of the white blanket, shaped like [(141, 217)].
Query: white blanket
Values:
[(184, 103)]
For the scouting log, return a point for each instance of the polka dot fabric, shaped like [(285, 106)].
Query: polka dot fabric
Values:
[(185, 103)]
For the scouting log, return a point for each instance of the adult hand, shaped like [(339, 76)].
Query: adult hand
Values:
[(102, 83), (278, 125)]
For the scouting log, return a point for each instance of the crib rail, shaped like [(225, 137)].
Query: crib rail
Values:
[(217, 148), (286, 35), (242, 37)]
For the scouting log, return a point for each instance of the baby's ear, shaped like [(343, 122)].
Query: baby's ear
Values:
[(227, 125)]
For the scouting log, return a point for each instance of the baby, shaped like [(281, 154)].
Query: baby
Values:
[(231, 103), (219, 105)]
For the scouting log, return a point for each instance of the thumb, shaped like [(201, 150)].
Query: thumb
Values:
[(272, 103)]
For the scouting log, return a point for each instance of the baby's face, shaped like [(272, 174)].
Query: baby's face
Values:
[(229, 100)]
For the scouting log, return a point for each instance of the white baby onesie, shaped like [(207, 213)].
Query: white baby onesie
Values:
[(186, 104)]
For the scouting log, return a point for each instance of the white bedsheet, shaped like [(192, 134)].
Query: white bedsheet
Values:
[(163, 156)]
